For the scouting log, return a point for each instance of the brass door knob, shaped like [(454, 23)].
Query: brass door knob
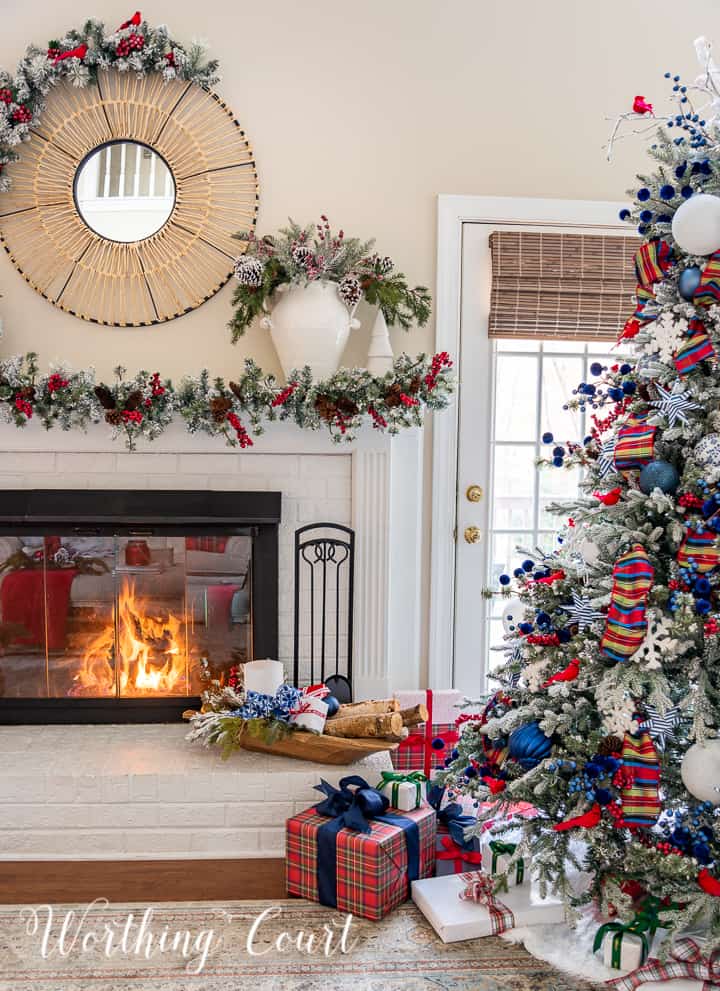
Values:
[(474, 493), (472, 534)]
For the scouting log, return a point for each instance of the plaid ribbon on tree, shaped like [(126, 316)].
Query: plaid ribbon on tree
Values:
[(695, 349), (640, 803), (652, 261), (700, 549), (708, 291), (479, 888), (626, 620), (686, 960), (643, 297), (634, 443)]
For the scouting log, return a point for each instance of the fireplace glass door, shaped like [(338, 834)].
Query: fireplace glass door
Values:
[(122, 617)]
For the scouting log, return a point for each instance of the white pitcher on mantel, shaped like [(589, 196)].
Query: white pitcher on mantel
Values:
[(310, 325)]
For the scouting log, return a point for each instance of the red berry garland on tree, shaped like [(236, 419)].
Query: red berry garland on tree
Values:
[(22, 114), (6, 95)]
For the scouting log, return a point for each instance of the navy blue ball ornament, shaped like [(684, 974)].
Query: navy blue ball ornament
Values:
[(689, 281), (659, 475), (528, 745), (332, 703)]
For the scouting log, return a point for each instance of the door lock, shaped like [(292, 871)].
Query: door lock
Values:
[(472, 534), (474, 493)]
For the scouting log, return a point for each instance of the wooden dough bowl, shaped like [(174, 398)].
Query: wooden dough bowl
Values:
[(321, 749)]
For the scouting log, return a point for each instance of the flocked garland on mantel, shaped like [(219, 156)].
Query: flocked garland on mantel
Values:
[(143, 406)]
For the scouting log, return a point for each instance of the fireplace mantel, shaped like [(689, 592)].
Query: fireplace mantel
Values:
[(386, 509)]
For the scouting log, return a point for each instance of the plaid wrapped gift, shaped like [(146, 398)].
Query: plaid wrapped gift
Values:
[(417, 753), (453, 852), (479, 888), (370, 875)]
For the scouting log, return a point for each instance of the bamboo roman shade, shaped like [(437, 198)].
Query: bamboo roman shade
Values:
[(551, 285)]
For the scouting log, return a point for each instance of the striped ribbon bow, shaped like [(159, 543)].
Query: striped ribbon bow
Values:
[(479, 888), (686, 960)]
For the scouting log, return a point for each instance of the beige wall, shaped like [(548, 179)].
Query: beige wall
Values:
[(366, 111)]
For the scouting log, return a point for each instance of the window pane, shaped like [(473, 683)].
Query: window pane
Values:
[(496, 636), (560, 377), (514, 483), (505, 556), (556, 484), (516, 420), (564, 347), (517, 344)]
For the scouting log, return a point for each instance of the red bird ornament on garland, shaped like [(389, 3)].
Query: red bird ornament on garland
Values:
[(134, 22), (610, 498), (709, 884), (641, 106), (586, 821), (569, 673)]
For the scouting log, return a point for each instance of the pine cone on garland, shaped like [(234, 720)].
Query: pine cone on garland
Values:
[(114, 417), (107, 400), (220, 406), (392, 396), (236, 390), (329, 409), (27, 392), (609, 745), (133, 400), (414, 386), (249, 271)]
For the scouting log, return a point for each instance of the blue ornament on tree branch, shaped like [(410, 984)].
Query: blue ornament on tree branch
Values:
[(659, 475), (528, 745)]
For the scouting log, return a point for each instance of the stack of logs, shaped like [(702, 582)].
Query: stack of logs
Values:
[(380, 719)]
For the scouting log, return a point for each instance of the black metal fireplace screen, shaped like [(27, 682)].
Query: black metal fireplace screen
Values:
[(112, 604)]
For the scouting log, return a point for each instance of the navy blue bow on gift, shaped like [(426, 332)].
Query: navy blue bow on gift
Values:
[(453, 817), (354, 802)]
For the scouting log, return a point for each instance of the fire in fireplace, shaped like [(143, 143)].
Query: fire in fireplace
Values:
[(113, 605)]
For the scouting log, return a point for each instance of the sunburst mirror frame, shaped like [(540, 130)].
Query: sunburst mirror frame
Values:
[(182, 265)]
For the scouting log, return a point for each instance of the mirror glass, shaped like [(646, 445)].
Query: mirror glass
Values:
[(124, 191)]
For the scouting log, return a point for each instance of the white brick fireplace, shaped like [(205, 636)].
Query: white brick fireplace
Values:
[(141, 792)]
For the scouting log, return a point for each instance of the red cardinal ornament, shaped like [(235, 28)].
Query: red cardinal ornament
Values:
[(631, 329), (585, 821), (134, 22), (709, 884), (609, 498), (496, 785), (569, 673), (641, 106), (79, 52)]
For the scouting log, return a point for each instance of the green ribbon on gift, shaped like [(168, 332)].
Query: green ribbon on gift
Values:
[(498, 848), (396, 778), (645, 923)]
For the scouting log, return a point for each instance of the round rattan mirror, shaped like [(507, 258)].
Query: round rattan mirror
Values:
[(123, 204)]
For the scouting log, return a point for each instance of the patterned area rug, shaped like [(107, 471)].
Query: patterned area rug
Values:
[(401, 953)]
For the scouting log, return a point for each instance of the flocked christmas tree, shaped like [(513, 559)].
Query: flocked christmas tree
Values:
[(607, 719)]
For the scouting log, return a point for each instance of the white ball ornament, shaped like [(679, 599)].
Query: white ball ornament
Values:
[(700, 771), (707, 451), (589, 551), (513, 613), (696, 224)]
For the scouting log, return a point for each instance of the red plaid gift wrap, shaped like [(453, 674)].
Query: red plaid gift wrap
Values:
[(410, 755), (371, 868), (451, 858)]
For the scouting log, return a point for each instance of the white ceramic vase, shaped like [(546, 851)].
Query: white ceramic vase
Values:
[(310, 325)]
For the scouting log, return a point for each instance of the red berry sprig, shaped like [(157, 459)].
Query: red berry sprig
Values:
[(132, 416), (282, 397), (23, 406), (56, 382), (6, 95), (22, 114), (408, 400), (689, 501), (379, 422), (440, 360), (158, 389), (711, 627), (244, 438)]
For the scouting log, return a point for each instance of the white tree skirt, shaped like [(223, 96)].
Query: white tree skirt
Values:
[(571, 950)]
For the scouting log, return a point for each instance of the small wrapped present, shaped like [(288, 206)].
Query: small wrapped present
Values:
[(310, 711), (496, 858), (429, 743), (626, 946), (406, 790), (349, 853), (454, 853), (464, 906)]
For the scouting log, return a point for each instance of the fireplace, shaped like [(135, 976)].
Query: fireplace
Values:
[(113, 604)]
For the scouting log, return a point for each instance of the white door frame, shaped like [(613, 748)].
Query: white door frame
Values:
[(453, 213)]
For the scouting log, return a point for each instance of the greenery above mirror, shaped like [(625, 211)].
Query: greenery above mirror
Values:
[(78, 57)]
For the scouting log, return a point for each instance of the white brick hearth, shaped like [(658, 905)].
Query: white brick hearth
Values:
[(144, 792), (94, 792)]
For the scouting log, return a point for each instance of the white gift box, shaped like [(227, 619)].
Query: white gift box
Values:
[(520, 873), (453, 919), (403, 795), (312, 715), (263, 676), (631, 954), (677, 984), (445, 703)]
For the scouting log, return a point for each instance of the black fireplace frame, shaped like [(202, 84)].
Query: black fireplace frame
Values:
[(145, 513)]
